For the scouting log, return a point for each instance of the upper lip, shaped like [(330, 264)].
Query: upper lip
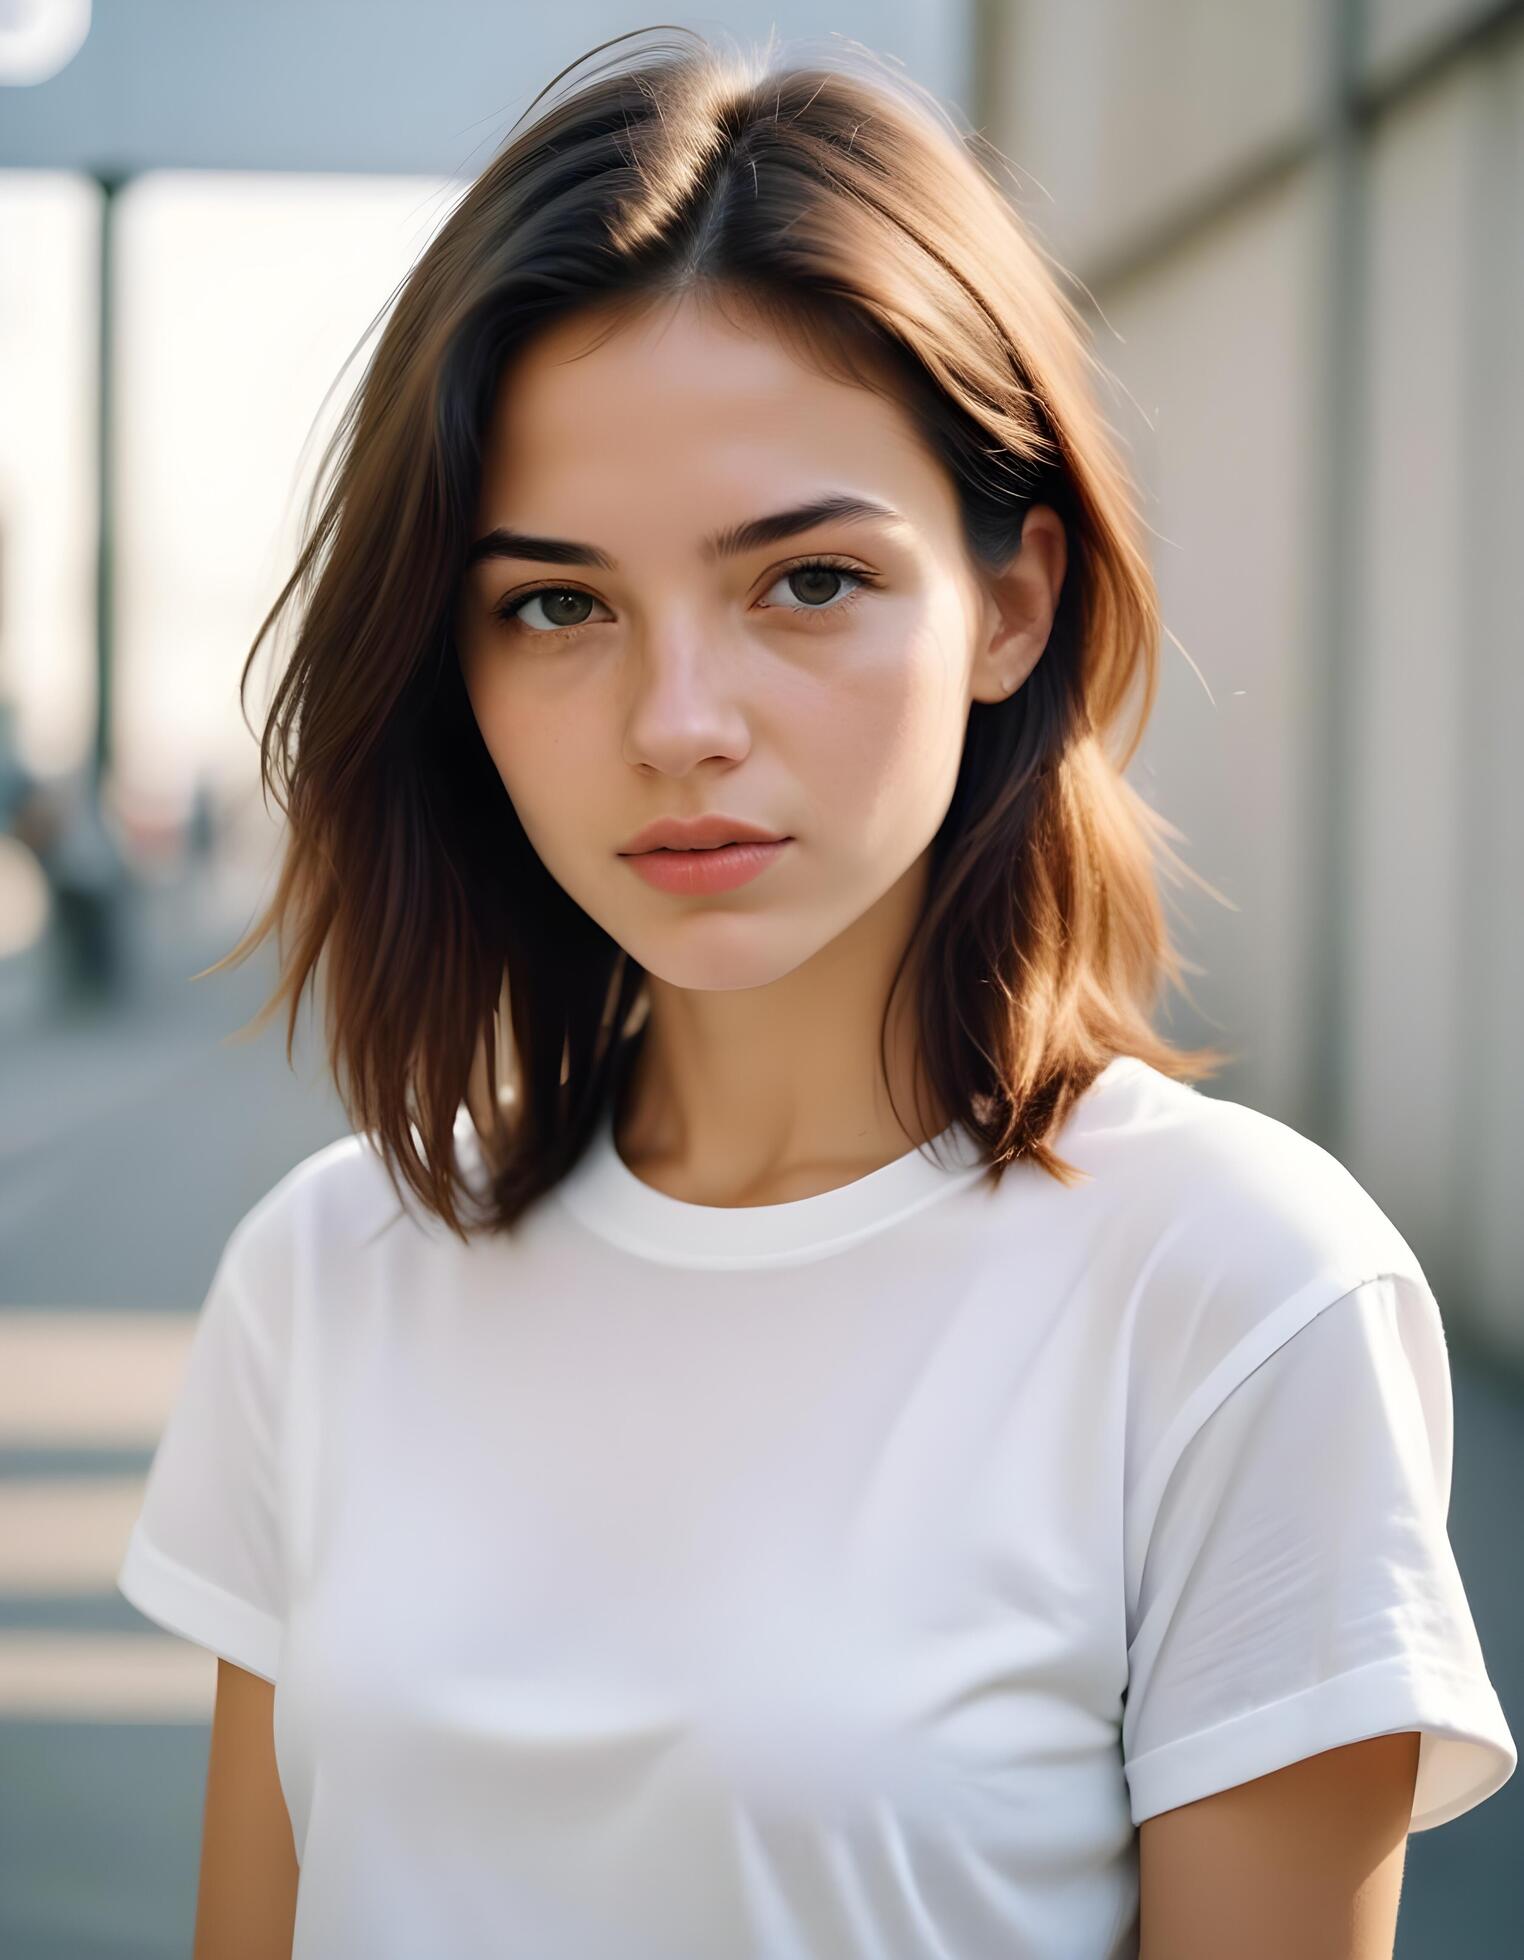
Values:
[(697, 833)]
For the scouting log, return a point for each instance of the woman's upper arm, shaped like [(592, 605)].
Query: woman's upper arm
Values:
[(1307, 1860), (246, 1901)]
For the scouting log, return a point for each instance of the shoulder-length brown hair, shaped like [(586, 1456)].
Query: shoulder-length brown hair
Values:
[(843, 203)]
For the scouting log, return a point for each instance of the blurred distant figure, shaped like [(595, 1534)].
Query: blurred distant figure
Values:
[(89, 887), (201, 825), (16, 780)]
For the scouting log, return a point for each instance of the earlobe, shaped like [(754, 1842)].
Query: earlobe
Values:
[(1009, 681), (1005, 658)]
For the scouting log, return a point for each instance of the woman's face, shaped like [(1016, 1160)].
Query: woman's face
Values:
[(670, 678)]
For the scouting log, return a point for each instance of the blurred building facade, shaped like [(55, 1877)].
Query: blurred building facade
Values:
[(1299, 228)]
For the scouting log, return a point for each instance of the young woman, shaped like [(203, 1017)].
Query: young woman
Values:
[(792, 1428)]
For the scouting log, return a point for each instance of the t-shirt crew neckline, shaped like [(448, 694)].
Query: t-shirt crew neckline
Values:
[(606, 1196)]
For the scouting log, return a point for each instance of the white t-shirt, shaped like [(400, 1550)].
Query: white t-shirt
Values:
[(844, 1579)]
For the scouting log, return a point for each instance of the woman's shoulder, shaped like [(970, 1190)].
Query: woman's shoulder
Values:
[(336, 1198), (1230, 1183), (1234, 1229)]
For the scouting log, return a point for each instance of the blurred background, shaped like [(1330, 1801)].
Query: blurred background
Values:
[(1298, 230)]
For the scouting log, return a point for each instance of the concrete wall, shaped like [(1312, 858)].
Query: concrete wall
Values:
[(1301, 239)]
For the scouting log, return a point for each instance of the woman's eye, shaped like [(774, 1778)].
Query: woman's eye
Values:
[(552, 600), (815, 587), (817, 582)]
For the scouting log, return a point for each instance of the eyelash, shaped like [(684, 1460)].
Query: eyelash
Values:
[(507, 611)]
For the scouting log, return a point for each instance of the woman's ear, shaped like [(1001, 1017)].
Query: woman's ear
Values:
[(1021, 600)]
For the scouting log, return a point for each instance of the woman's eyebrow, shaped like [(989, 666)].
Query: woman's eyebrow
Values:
[(753, 535)]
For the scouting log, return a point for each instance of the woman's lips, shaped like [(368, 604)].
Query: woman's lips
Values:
[(698, 873)]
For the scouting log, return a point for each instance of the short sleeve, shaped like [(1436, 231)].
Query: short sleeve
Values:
[(204, 1557), (1298, 1589)]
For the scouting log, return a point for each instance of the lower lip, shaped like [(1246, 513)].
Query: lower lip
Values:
[(697, 873)]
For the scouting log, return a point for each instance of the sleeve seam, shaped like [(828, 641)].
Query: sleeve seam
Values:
[(196, 1608), (1324, 1290), (1396, 1694)]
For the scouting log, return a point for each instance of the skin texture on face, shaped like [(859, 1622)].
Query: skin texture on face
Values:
[(827, 705)]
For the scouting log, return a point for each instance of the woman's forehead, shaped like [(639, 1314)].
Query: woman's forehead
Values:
[(690, 400)]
